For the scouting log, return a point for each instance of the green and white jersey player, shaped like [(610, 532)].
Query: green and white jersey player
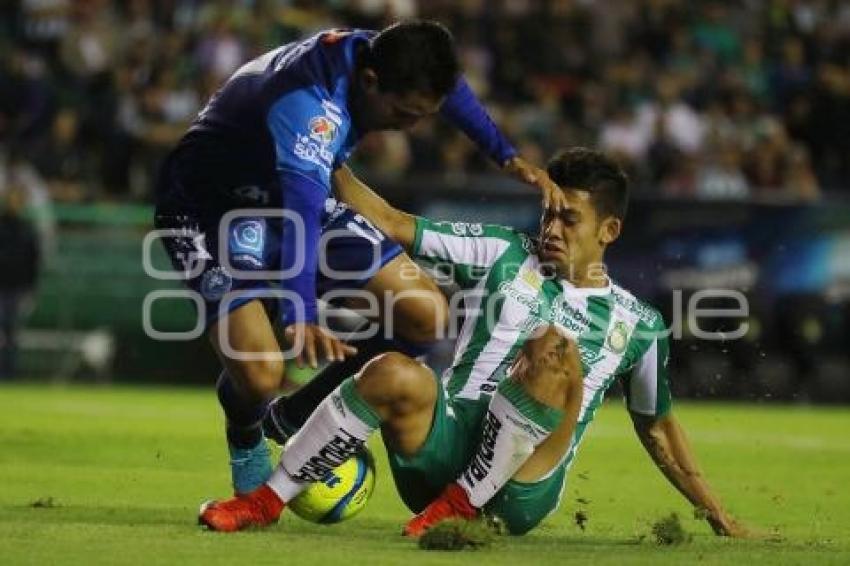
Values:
[(510, 292), (545, 334), (512, 287)]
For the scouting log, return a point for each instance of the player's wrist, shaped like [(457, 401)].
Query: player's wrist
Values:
[(307, 316), (718, 519), (510, 162)]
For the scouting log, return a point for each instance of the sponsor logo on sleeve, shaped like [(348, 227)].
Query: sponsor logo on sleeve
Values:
[(464, 228), (322, 130), (308, 149)]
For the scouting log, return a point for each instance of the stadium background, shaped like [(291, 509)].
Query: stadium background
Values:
[(732, 118)]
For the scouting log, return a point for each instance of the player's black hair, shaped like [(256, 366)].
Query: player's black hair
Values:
[(592, 171), (414, 56)]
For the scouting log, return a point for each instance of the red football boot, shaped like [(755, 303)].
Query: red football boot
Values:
[(258, 508), (453, 503)]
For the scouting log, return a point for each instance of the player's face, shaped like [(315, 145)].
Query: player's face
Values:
[(402, 112), (377, 110), (573, 240)]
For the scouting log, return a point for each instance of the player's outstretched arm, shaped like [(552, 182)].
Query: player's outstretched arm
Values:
[(465, 111), (665, 441), (397, 224)]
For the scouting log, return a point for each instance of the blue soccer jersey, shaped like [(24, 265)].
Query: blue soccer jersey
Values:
[(276, 131)]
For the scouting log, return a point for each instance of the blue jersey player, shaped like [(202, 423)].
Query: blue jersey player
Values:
[(244, 197)]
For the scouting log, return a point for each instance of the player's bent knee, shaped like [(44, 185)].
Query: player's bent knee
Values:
[(519, 521), (396, 378), (260, 379), (388, 366)]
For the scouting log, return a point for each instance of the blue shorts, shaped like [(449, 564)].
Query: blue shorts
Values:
[(352, 251)]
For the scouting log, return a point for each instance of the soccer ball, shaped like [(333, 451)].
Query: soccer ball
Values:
[(341, 495)]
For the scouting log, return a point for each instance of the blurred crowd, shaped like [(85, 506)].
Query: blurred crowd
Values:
[(700, 99)]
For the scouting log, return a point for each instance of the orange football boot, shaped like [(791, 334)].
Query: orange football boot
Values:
[(453, 503), (258, 508)]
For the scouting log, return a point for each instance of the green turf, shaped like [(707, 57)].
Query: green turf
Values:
[(127, 467)]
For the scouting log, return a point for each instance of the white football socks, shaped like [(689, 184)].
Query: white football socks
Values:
[(515, 424), (337, 429)]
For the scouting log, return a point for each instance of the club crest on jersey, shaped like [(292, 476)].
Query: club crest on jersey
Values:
[(215, 283), (323, 130), (618, 338)]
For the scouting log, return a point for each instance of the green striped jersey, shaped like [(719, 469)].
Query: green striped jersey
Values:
[(506, 296)]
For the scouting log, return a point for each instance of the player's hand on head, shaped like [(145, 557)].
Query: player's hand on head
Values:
[(311, 341), (553, 196)]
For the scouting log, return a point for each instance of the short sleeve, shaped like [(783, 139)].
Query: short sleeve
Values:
[(647, 384), (470, 248), (307, 135)]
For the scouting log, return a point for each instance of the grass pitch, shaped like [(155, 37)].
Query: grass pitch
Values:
[(115, 476)]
